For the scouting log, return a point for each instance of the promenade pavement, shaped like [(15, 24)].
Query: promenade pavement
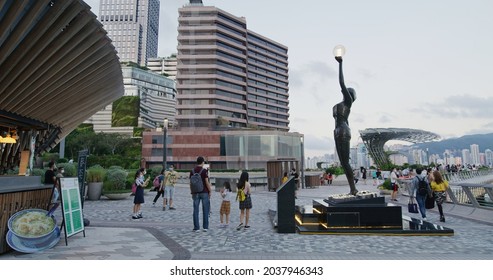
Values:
[(167, 235)]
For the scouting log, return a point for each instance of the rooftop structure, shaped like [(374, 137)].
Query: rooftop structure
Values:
[(375, 139)]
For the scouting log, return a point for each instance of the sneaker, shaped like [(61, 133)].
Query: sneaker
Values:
[(247, 227), (239, 226), (164, 208), (140, 216), (172, 208), (153, 204), (425, 219), (442, 219), (204, 230), (195, 230), (135, 217)]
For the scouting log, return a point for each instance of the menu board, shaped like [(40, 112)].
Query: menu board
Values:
[(71, 206)]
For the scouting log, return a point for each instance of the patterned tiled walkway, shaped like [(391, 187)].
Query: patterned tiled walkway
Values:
[(113, 235)]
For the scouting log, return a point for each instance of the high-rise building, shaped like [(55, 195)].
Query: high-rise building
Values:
[(466, 156), (133, 26), (488, 154), (475, 154), (228, 76)]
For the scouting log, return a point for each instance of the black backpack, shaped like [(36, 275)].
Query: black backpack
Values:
[(196, 184), (422, 186)]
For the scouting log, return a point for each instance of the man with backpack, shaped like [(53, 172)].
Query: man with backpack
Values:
[(421, 189), (200, 189)]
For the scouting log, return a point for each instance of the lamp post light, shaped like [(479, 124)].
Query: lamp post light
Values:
[(339, 51), (165, 131), (302, 146)]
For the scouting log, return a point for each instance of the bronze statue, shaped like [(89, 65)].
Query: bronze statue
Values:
[(342, 132)]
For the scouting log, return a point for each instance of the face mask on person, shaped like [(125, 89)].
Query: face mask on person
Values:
[(171, 169)]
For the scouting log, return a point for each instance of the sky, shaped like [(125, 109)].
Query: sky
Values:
[(418, 64)]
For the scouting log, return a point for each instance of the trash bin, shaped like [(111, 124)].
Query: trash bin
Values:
[(312, 181)]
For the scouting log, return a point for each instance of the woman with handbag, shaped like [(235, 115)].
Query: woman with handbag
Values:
[(439, 187), (245, 204)]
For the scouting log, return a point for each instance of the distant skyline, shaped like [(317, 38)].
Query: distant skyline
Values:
[(414, 64)]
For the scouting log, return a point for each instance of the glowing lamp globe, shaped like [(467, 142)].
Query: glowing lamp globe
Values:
[(339, 50)]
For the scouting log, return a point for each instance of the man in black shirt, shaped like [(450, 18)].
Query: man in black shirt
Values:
[(50, 175)]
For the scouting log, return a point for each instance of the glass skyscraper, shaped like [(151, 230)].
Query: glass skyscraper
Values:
[(133, 26)]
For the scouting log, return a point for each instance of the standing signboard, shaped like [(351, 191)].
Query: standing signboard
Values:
[(72, 216), (81, 173)]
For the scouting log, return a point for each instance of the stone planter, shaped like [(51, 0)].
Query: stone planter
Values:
[(94, 190), (117, 196), (385, 192)]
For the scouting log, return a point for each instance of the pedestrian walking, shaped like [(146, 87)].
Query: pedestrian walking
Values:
[(394, 185), (225, 210), (421, 189), (245, 201), (160, 189), (362, 171), (171, 176), (201, 197), (140, 184), (439, 187)]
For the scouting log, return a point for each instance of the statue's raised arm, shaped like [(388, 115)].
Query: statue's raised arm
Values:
[(348, 96)]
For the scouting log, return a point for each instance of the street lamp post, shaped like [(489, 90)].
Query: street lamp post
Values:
[(303, 186), (165, 131)]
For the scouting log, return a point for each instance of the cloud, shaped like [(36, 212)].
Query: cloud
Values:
[(384, 119), (316, 145), (486, 128), (459, 107), (312, 72)]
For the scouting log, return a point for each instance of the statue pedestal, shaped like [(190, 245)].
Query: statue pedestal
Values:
[(361, 216)]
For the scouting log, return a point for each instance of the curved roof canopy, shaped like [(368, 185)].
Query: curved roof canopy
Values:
[(58, 68), (375, 139)]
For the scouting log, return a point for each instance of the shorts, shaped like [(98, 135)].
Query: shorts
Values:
[(225, 208), (169, 191), (395, 187)]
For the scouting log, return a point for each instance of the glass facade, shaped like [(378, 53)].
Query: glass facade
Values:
[(133, 26), (249, 147)]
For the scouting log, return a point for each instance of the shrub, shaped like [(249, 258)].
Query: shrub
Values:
[(95, 174), (70, 169), (115, 180), (386, 185)]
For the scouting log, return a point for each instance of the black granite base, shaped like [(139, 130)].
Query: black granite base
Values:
[(321, 218), (366, 214)]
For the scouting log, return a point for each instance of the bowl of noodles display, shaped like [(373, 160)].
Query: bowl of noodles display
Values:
[(32, 227)]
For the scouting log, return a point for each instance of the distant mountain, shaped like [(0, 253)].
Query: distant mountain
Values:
[(485, 141)]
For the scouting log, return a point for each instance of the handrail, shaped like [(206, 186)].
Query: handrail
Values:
[(477, 195)]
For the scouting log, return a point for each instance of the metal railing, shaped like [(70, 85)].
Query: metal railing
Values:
[(468, 188)]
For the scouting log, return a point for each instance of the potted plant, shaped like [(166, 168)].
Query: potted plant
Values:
[(95, 176), (115, 183)]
